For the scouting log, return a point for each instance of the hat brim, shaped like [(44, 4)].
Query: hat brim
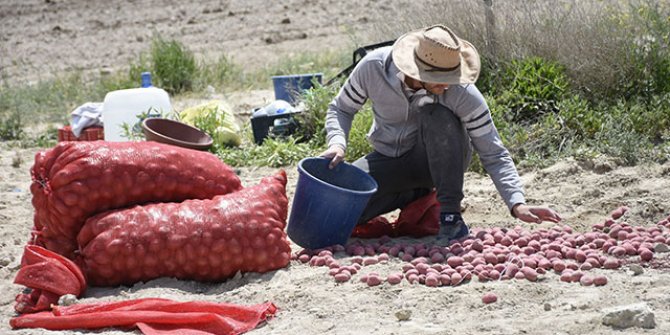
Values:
[(404, 58)]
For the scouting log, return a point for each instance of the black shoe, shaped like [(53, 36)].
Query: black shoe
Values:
[(452, 226)]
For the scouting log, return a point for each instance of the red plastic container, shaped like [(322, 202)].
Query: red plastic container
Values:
[(88, 134)]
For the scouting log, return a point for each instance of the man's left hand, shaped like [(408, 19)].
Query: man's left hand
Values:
[(536, 214)]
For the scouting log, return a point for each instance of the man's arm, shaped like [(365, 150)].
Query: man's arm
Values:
[(341, 111), (470, 106), (476, 117)]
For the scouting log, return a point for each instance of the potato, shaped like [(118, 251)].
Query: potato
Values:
[(619, 212), (566, 276), (577, 276), (370, 261), (407, 257), (529, 273), (358, 250), (342, 277), (422, 268), (419, 260), (432, 280), (437, 257), (456, 279), (544, 263), (455, 261), (374, 280), (558, 266), (586, 280), (445, 279), (489, 298), (600, 280), (383, 257), (394, 279), (611, 263), (646, 255), (490, 258), (413, 278)]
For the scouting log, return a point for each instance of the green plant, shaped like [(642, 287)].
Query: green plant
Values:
[(530, 87), (646, 43), (173, 65), (221, 73), (312, 118), (273, 153), (134, 131), (617, 139), (358, 144), (47, 138), (11, 127), (217, 123)]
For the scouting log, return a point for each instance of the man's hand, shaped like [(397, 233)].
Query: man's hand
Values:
[(535, 214), (336, 155)]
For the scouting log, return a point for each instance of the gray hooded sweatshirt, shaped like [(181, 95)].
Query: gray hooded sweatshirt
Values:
[(395, 124)]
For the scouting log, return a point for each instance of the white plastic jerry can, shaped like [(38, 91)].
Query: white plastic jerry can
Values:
[(126, 106)]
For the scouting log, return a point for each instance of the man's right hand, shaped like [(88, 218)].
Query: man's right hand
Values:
[(336, 155)]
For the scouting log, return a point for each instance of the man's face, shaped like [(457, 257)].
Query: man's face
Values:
[(436, 89)]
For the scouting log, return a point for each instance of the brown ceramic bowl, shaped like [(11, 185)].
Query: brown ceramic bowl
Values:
[(175, 133)]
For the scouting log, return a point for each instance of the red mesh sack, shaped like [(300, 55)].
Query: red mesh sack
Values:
[(419, 218), (204, 240), (75, 180)]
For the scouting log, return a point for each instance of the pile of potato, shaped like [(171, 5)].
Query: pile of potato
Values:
[(499, 254)]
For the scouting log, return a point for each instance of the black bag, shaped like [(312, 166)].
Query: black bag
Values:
[(357, 56)]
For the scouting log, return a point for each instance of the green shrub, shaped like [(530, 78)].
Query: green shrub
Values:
[(273, 153), (172, 65), (646, 42), (358, 144), (313, 117), (45, 139), (578, 115), (11, 127), (222, 73), (529, 88)]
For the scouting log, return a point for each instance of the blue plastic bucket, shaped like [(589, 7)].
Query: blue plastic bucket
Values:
[(289, 87), (327, 202)]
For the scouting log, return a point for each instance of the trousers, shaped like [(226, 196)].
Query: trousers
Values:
[(437, 161)]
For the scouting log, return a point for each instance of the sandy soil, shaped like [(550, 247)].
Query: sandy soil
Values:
[(102, 35), (94, 35)]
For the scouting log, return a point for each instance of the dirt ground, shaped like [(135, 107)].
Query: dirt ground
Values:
[(102, 35), (40, 38)]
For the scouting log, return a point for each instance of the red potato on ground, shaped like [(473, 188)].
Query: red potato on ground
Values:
[(374, 280), (619, 212), (342, 277), (489, 298), (600, 280), (394, 279)]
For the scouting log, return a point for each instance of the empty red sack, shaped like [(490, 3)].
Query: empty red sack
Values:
[(48, 276), (152, 317), (204, 240), (75, 180)]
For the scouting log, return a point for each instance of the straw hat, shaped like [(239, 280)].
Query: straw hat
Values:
[(436, 55)]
